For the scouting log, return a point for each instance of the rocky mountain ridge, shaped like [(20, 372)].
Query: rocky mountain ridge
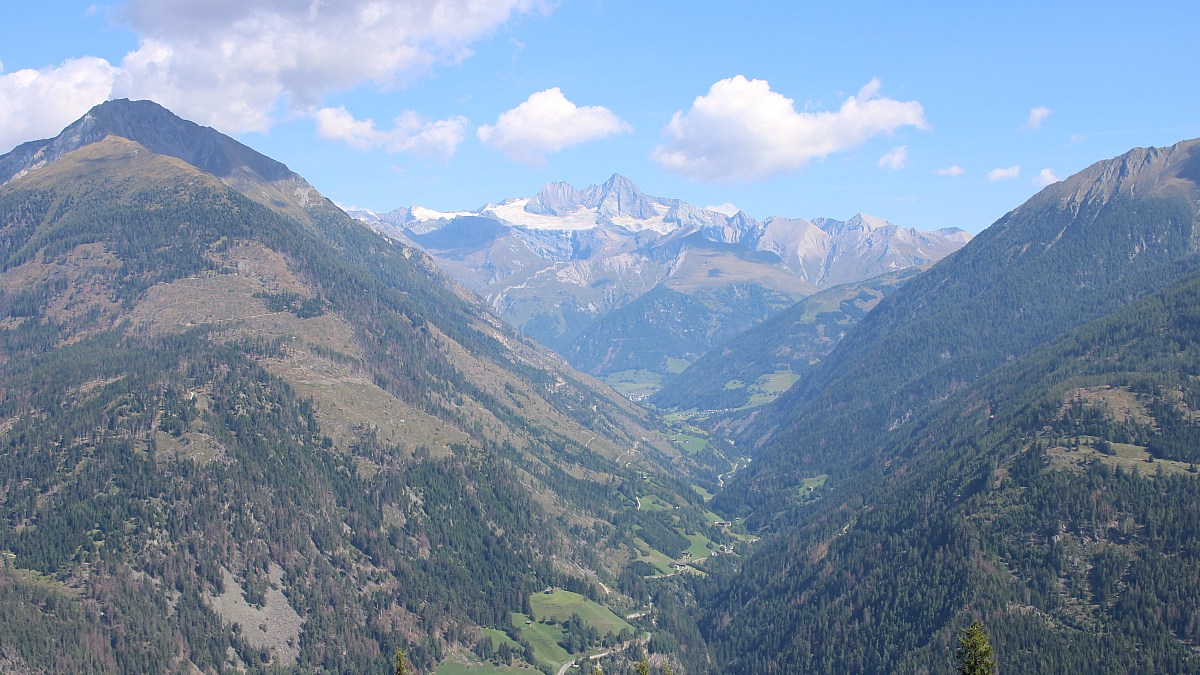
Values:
[(558, 264)]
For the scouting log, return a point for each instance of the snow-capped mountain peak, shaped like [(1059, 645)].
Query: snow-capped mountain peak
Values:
[(563, 223)]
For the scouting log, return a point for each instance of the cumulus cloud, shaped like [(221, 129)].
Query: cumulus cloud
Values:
[(1046, 177), (410, 133), (1001, 173), (237, 64), (546, 123), (1037, 117), (39, 103), (741, 130), (894, 159), (952, 170), (231, 63)]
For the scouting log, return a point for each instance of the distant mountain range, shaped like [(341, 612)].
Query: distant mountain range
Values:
[(621, 282)]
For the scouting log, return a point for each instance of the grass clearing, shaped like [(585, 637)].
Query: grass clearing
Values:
[(777, 382), (815, 482), (810, 484), (499, 637), (705, 495), (543, 638), (757, 400), (1130, 457), (661, 561), (767, 388), (464, 665), (689, 444), (700, 546), (634, 384), (560, 605), (652, 503), (676, 366)]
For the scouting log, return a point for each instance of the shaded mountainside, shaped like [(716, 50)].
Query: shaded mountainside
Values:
[(570, 267), (755, 366), (1073, 253), (1009, 436), (1057, 499), (666, 324), (251, 432)]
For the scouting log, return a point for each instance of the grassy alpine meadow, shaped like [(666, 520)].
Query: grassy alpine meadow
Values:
[(452, 667), (544, 639), (560, 605)]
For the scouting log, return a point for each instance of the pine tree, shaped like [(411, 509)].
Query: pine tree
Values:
[(643, 668), (402, 667), (975, 651)]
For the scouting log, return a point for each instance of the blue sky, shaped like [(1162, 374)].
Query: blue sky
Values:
[(937, 115)]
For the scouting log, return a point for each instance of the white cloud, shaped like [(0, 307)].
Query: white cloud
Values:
[(727, 208), (741, 130), (1046, 177), (547, 123), (952, 170), (1000, 173), (39, 103), (238, 64), (410, 133), (235, 64), (1037, 117), (894, 159)]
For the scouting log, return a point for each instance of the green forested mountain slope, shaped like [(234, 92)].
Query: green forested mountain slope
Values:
[(783, 346), (252, 432), (1010, 436), (1073, 253), (1057, 499), (665, 324)]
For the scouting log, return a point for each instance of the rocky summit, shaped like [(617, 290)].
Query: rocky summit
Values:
[(580, 269)]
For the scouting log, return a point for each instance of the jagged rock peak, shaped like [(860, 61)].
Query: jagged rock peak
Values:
[(686, 215), (619, 196), (742, 221), (555, 199), (154, 127), (859, 222), (1139, 171)]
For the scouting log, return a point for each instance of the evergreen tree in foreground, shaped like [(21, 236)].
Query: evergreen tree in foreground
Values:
[(975, 651), (402, 667)]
